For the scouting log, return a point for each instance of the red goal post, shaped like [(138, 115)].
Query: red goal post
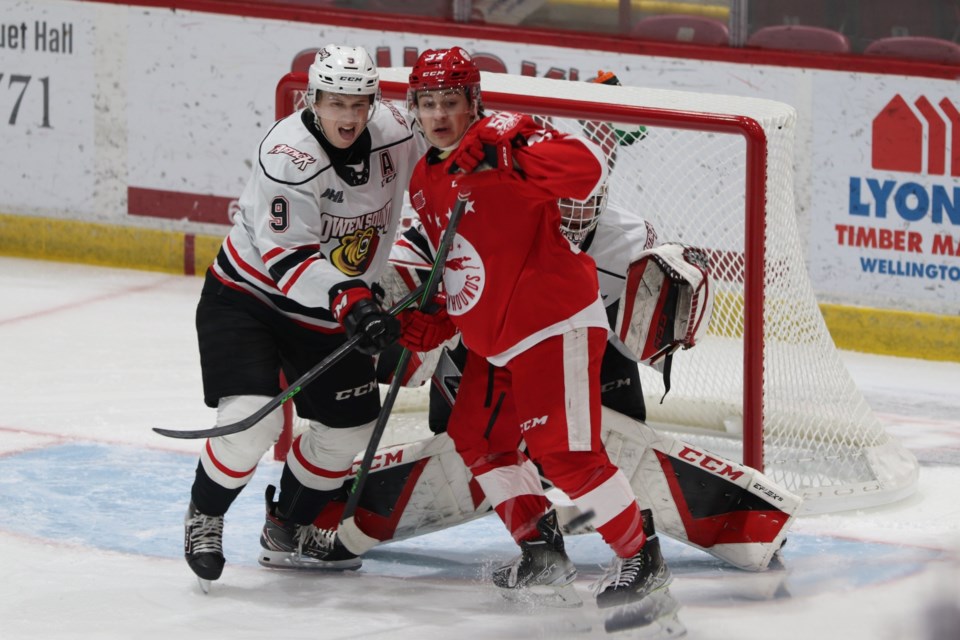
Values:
[(717, 172)]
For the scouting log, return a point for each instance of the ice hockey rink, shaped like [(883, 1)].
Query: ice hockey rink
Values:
[(92, 502)]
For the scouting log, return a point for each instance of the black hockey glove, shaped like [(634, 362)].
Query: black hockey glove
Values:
[(353, 306)]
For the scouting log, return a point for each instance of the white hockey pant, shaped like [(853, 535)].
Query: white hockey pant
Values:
[(322, 457), (231, 460)]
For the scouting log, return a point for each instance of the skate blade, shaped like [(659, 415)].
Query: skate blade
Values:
[(655, 616), (283, 560), (563, 596), (204, 585), (624, 598)]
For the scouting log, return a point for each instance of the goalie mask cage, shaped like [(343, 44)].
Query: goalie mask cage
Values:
[(766, 384)]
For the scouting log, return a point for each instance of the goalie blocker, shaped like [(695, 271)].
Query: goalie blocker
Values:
[(724, 508)]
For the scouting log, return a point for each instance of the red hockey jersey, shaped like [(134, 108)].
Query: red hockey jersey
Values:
[(511, 278)]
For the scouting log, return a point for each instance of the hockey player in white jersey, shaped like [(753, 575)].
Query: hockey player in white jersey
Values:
[(293, 279)]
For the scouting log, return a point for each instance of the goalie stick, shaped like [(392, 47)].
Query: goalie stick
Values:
[(292, 389), (429, 290)]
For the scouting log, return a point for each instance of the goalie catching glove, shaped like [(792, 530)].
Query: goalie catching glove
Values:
[(666, 305), (422, 332), (353, 306)]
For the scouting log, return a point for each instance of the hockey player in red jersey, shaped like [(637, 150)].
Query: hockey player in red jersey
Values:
[(312, 236), (527, 306)]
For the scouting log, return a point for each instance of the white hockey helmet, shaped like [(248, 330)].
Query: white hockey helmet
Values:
[(346, 70)]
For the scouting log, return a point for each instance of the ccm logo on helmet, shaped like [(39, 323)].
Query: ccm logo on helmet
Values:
[(351, 78)]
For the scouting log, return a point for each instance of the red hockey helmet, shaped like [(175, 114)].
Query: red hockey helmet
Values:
[(441, 69)]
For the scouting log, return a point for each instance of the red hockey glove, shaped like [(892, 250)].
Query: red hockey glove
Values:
[(423, 332), (492, 142), (353, 306)]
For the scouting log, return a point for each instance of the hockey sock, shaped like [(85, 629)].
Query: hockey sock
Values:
[(300, 504), (210, 498)]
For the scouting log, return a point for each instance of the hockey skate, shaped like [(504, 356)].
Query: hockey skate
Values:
[(287, 545), (630, 580), (203, 545), (542, 574)]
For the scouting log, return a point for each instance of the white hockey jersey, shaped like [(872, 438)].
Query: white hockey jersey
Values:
[(618, 239), (302, 227)]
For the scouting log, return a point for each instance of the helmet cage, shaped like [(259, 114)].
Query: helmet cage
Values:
[(579, 217)]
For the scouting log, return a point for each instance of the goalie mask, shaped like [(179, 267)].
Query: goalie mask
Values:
[(348, 71), (579, 217)]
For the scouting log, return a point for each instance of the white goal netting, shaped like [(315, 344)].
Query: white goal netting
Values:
[(717, 172)]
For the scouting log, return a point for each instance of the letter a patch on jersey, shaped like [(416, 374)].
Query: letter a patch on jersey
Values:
[(387, 168)]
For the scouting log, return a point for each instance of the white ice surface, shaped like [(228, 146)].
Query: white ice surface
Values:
[(91, 502)]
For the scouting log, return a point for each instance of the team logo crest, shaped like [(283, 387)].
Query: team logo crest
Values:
[(463, 277), (355, 252)]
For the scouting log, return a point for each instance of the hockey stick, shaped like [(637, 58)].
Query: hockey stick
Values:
[(292, 389), (429, 289)]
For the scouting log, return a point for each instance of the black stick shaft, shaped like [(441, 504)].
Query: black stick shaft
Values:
[(292, 389), (432, 284)]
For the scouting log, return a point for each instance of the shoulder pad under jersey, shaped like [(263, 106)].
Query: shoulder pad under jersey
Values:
[(388, 126)]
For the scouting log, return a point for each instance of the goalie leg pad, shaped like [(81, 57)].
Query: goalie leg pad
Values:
[(425, 487), (413, 489), (727, 509)]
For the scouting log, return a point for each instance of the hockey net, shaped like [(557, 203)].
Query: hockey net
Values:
[(767, 385)]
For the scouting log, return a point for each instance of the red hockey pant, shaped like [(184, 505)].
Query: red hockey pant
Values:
[(549, 397)]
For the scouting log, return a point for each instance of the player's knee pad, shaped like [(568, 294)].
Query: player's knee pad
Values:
[(323, 456), (231, 460), (504, 482)]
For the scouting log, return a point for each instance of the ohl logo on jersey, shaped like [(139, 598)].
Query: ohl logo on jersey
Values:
[(463, 277), (355, 252)]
